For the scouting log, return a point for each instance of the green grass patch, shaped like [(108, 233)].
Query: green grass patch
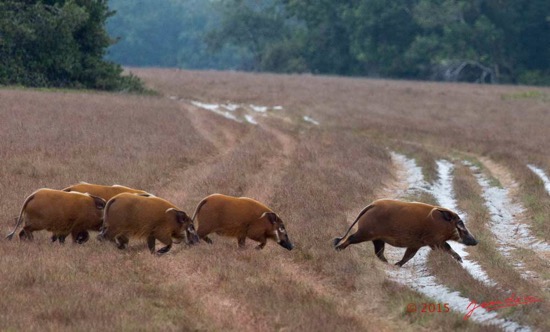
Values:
[(532, 94), (129, 90)]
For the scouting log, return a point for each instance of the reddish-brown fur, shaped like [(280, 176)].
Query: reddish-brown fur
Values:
[(239, 217), (131, 215), (409, 225), (61, 213), (105, 192)]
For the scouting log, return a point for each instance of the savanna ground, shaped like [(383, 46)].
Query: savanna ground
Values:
[(316, 177)]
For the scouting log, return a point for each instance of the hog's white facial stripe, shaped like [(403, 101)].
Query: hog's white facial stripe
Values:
[(277, 236)]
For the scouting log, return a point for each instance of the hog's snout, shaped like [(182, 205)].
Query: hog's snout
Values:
[(287, 245), (469, 240)]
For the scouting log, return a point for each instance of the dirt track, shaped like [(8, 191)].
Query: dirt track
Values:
[(283, 147)]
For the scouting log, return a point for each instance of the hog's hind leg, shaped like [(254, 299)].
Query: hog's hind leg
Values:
[(26, 233), (241, 241), (121, 241), (379, 250), (151, 243), (409, 253), (80, 237), (203, 231), (354, 238), (61, 238)]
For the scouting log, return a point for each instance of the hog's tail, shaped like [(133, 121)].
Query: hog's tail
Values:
[(198, 209), (337, 240), (20, 219)]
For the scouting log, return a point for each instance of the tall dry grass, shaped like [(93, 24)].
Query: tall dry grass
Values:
[(316, 178)]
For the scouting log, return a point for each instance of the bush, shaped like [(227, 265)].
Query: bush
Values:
[(59, 44), (534, 77)]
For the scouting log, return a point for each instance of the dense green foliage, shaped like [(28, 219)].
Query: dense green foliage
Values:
[(504, 41), (63, 43), (58, 43), (169, 33)]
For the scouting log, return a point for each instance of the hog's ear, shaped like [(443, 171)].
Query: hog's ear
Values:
[(181, 216), (99, 202), (447, 215), (271, 216)]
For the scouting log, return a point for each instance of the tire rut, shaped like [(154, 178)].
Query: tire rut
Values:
[(224, 312), (511, 227), (348, 306), (417, 276), (275, 166)]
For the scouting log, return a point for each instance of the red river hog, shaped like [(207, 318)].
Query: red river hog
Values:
[(239, 217), (61, 213), (408, 225), (142, 216), (105, 192)]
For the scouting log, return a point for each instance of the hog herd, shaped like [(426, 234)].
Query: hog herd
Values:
[(119, 213)]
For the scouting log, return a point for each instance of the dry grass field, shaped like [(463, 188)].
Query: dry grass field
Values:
[(316, 172)]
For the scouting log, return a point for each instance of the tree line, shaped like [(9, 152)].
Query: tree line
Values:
[(505, 41), (83, 43)]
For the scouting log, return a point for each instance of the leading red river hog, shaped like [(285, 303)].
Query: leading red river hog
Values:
[(410, 225), (142, 216), (240, 217), (61, 213)]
